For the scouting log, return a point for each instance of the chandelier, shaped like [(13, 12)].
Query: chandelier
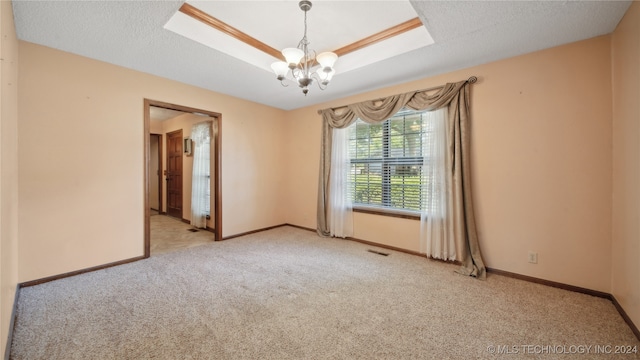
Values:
[(303, 62)]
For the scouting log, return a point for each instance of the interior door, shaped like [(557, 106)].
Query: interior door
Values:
[(174, 174)]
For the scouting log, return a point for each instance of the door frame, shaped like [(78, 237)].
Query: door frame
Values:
[(217, 168)]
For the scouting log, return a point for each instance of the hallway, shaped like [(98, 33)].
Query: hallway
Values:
[(169, 234)]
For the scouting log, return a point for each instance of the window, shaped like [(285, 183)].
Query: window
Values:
[(386, 161)]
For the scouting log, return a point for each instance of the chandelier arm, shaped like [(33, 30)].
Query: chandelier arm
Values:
[(318, 81), (296, 73)]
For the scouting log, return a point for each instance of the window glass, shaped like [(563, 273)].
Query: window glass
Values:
[(386, 161)]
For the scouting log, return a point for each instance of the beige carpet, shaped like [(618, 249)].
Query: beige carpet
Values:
[(288, 294)]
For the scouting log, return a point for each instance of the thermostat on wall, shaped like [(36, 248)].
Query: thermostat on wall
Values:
[(187, 146)]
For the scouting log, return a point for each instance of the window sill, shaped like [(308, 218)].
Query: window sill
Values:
[(387, 212)]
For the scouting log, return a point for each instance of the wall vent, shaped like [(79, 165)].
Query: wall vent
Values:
[(378, 252)]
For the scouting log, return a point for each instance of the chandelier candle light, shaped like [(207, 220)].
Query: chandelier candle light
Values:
[(302, 62)]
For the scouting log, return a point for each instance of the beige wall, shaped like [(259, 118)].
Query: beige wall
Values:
[(8, 168), (626, 163), (155, 127), (541, 172), (81, 204)]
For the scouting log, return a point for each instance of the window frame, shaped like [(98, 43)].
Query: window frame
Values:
[(386, 162)]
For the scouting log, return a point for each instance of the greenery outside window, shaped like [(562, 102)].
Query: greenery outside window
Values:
[(386, 163)]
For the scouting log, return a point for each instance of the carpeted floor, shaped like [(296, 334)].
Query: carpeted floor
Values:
[(288, 294)]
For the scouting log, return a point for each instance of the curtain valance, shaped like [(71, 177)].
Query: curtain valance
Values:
[(372, 111)]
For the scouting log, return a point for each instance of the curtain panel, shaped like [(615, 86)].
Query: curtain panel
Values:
[(201, 136), (341, 210), (436, 227), (453, 96)]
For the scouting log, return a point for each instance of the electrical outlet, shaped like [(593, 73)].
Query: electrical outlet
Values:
[(533, 257)]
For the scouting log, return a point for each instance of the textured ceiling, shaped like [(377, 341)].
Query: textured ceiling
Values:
[(466, 33)]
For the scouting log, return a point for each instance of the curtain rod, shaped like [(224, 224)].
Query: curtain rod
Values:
[(472, 79)]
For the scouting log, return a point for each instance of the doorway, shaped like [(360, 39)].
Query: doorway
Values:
[(176, 198)]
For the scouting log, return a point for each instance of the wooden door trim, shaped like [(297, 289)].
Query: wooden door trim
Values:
[(146, 150), (217, 170), (160, 171)]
